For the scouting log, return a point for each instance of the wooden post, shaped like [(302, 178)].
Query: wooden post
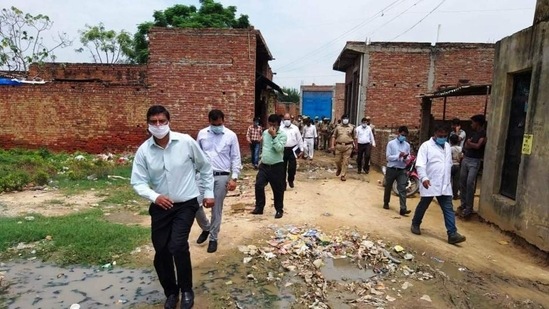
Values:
[(426, 104)]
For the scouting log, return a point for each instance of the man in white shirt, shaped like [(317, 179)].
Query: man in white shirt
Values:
[(364, 138), (434, 165), (164, 172), (221, 147), (397, 153), (293, 148), (309, 137)]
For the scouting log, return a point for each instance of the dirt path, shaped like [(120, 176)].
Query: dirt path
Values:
[(496, 266)]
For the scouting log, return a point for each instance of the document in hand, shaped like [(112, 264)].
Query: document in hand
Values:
[(296, 151)]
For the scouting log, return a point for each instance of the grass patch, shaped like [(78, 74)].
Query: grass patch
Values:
[(84, 238)]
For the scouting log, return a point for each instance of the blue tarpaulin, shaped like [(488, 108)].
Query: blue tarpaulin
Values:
[(9, 81)]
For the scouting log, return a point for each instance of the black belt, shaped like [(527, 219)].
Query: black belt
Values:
[(221, 173), (395, 168), (363, 143), (270, 165), (345, 143), (290, 147), (308, 137)]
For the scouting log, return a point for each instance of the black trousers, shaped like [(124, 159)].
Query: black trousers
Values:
[(274, 175), (170, 237), (290, 164), (364, 153)]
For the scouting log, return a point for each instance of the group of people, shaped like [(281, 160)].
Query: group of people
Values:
[(447, 165), (181, 176)]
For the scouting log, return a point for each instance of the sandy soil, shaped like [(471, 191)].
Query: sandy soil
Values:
[(496, 263)]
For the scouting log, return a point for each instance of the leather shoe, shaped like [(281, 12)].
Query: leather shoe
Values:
[(171, 302), (291, 184), (456, 238), (203, 236), (279, 214), (385, 206), (404, 212), (257, 212), (188, 300), (338, 172), (212, 246), (415, 229)]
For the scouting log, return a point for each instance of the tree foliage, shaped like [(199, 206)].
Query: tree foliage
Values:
[(210, 15), (106, 46), (21, 39), (289, 95)]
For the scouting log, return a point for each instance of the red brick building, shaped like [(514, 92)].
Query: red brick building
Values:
[(97, 107), (383, 80)]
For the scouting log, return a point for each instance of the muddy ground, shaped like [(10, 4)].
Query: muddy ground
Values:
[(489, 270)]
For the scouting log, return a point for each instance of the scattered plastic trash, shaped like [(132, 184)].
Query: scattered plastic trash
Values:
[(398, 248), (408, 257), (426, 298), (406, 285), (29, 218), (462, 269), (74, 306)]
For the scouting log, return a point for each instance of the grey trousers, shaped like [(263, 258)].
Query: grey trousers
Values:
[(220, 191)]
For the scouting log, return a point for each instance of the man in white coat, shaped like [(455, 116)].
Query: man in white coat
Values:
[(434, 165)]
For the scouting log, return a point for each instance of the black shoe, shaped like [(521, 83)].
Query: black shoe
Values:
[(415, 229), (291, 184), (257, 212), (171, 302), (385, 206), (203, 236), (279, 214), (456, 238), (359, 172), (404, 212), (187, 301), (366, 172), (212, 246)]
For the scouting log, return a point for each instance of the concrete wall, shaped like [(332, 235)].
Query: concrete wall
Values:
[(528, 215)]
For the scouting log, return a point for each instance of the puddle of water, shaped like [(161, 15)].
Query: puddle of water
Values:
[(37, 285), (344, 270)]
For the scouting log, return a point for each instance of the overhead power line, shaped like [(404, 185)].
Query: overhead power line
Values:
[(424, 17), (378, 14)]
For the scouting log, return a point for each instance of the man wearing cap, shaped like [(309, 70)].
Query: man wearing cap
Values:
[(324, 133), (343, 144)]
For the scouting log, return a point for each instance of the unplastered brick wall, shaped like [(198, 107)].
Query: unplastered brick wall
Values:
[(111, 73), (399, 72), (339, 101), (192, 71), (70, 116)]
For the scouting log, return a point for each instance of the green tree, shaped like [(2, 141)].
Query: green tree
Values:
[(21, 41), (210, 15), (106, 46), (289, 95)]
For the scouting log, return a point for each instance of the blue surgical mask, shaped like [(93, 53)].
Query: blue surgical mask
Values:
[(216, 129), (401, 138), (441, 140)]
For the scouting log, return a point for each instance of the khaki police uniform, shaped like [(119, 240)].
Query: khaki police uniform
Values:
[(324, 135), (344, 137)]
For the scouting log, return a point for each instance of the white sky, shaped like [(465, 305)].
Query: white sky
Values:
[(306, 36)]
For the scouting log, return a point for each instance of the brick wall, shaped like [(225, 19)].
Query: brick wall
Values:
[(287, 107), (339, 100), (398, 74), (192, 71), (92, 116), (111, 73)]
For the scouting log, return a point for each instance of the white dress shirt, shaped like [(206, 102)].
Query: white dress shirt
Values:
[(171, 171), (434, 163), (293, 136), (365, 135), (309, 132), (222, 150)]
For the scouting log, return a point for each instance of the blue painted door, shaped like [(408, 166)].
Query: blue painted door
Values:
[(317, 103)]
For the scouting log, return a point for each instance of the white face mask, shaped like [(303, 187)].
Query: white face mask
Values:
[(287, 123), (345, 121), (159, 131)]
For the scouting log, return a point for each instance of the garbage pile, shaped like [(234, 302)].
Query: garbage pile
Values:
[(303, 251)]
